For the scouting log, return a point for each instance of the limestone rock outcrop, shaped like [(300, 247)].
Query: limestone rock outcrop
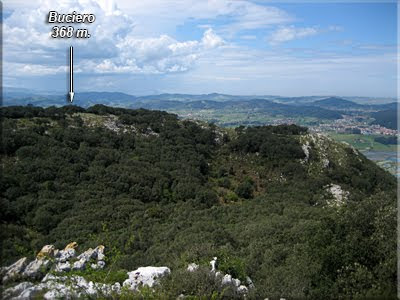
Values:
[(48, 277), (145, 276), (50, 258), (14, 270)]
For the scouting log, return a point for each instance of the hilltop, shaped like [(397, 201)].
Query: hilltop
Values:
[(300, 214)]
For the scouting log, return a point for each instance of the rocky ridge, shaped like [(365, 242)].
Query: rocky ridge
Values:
[(48, 276)]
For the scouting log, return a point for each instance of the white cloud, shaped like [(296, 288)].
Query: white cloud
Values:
[(288, 33), (285, 34), (114, 47), (243, 15), (18, 69), (211, 40)]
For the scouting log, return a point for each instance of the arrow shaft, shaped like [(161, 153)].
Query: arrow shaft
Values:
[(71, 69)]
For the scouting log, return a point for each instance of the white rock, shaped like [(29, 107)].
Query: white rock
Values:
[(145, 276), (14, 270), (325, 162), (306, 149), (99, 250), (338, 194), (16, 290), (99, 265), (116, 288), (79, 265), (64, 255), (54, 294), (36, 267), (249, 282), (242, 289), (87, 255), (227, 279), (49, 277), (213, 264), (63, 267), (62, 287), (236, 282), (92, 288), (60, 291), (192, 267), (30, 292)]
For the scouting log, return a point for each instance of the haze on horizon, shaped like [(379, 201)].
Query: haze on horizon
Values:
[(200, 47)]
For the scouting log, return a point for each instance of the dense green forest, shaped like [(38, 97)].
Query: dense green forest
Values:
[(156, 190)]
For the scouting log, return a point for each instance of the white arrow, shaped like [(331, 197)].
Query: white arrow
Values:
[(71, 74)]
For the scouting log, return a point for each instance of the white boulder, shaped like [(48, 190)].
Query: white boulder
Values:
[(145, 276), (242, 289), (236, 282), (192, 267), (227, 279)]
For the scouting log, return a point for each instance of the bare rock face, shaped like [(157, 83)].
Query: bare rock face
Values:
[(14, 292), (63, 267), (145, 276), (36, 268), (50, 257), (13, 271)]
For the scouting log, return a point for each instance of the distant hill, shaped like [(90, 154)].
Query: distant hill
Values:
[(274, 106), (84, 99), (254, 105), (334, 102), (386, 118)]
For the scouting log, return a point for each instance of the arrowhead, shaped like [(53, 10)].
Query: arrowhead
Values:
[(71, 96)]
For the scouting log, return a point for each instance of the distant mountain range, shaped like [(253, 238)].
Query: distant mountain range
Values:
[(308, 106)]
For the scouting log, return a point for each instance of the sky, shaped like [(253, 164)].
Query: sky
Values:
[(239, 47)]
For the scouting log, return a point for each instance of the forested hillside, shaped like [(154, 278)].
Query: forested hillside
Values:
[(299, 214), (386, 118)]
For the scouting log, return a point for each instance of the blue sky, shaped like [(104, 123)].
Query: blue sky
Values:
[(200, 46)]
